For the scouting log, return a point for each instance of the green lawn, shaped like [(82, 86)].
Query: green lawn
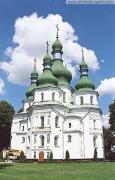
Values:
[(58, 171)]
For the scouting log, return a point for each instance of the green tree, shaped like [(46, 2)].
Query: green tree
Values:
[(22, 156), (67, 156), (51, 156), (112, 117), (112, 130), (6, 115), (107, 135)]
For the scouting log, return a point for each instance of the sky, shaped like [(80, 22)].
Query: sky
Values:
[(26, 25)]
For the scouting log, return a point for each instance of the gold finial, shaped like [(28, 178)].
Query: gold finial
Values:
[(35, 63), (47, 44), (82, 54), (57, 29)]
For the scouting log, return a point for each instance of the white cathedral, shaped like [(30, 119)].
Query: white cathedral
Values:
[(56, 117)]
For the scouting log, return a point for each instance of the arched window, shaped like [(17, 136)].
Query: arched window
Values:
[(91, 99), (56, 141), (48, 138), (56, 121), (69, 125), (22, 128), (42, 121), (53, 96), (69, 138), (42, 96), (94, 123), (81, 100), (35, 138), (42, 140)]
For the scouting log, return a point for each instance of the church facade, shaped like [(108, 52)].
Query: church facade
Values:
[(56, 117)]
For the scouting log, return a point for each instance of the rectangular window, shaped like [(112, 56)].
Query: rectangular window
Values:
[(48, 138), (64, 97), (42, 121), (69, 138), (56, 141), (35, 139), (56, 121), (81, 100), (94, 123), (22, 128), (91, 100), (53, 96), (42, 96), (23, 139)]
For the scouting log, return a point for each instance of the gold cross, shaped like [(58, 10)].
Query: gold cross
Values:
[(82, 53), (35, 63), (57, 29), (47, 45)]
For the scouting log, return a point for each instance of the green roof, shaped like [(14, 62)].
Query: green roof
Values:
[(84, 84), (63, 75), (47, 79), (30, 90)]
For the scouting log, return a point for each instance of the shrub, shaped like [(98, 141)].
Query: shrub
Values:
[(1, 155), (22, 156), (67, 156), (51, 156), (95, 154)]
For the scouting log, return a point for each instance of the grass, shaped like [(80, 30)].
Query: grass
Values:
[(58, 171)]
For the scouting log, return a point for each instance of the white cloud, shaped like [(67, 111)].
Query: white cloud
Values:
[(1, 86), (107, 86), (105, 118), (31, 33)]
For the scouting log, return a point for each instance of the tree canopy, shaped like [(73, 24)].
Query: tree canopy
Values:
[(112, 117), (6, 115)]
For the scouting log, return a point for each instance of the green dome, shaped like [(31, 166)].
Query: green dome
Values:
[(30, 90), (57, 46), (85, 84), (34, 73), (83, 65), (34, 76), (47, 79), (63, 75), (47, 58)]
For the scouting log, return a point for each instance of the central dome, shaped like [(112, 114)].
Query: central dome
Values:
[(63, 75)]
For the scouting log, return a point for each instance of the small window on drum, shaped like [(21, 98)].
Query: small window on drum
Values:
[(64, 96), (91, 99), (53, 96), (81, 100), (42, 96)]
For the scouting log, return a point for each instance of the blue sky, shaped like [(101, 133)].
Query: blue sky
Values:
[(93, 24)]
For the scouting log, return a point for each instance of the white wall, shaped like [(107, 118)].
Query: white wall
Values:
[(86, 98)]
